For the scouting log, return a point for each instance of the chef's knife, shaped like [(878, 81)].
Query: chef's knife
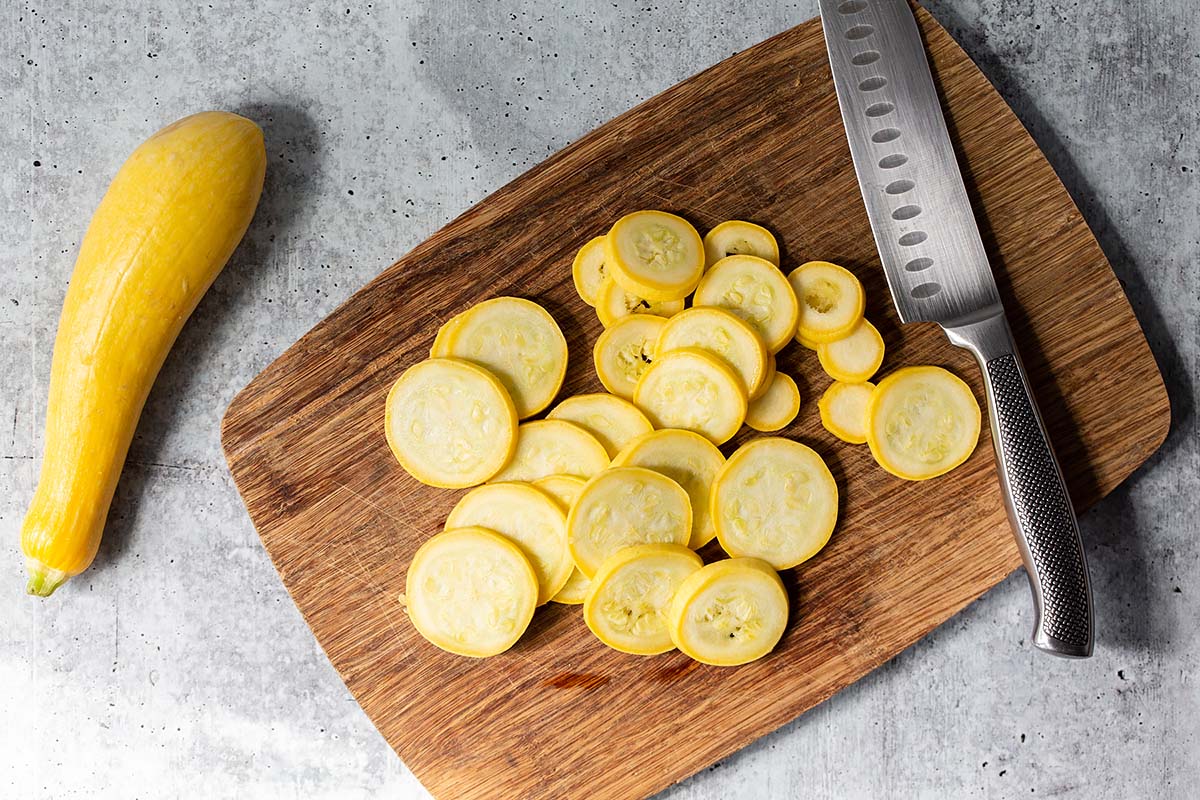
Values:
[(937, 270)]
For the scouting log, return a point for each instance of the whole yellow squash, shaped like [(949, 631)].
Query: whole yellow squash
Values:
[(170, 220)]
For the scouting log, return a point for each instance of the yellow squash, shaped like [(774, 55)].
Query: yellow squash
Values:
[(165, 228)]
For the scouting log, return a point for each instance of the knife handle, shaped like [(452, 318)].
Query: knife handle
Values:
[(1035, 493)]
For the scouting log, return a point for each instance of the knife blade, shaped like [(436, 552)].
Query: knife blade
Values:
[(937, 270)]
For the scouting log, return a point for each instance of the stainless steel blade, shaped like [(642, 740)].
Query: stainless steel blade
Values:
[(920, 215)]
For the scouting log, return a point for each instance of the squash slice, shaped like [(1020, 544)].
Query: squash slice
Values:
[(613, 304), (553, 447), (855, 357), (450, 423), (614, 421), (844, 410), (736, 237), (831, 301), (574, 591), (776, 500), (654, 255), (625, 506), (693, 390), (922, 422), (755, 290), (730, 612), (805, 342), (777, 407), (686, 458), (624, 352), (518, 342), (529, 518), (627, 604), (439, 348), (588, 270), (564, 489), (729, 338), (768, 376), (470, 591)]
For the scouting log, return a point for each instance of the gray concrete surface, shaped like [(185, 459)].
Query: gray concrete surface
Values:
[(178, 666)]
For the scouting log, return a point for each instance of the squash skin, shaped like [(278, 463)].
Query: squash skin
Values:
[(165, 228)]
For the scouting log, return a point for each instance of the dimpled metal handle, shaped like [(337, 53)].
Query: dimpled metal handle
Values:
[(1035, 494)]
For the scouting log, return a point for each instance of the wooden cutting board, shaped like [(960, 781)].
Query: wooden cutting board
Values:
[(756, 137)]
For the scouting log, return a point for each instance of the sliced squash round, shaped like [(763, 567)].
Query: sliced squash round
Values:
[(574, 591), (686, 458), (739, 238), (717, 331), (755, 290), (588, 270), (517, 341), (855, 357), (440, 346), (844, 410), (627, 604), (768, 376), (831, 301), (624, 506), (729, 612), (776, 500), (614, 421), (805, 342), (654, 255), (777, 407), (922, 422), (450, 423), (470, 591), (528, 517), (613, 304), (693, 390), (553, 447), (624, 352), (564, 489)]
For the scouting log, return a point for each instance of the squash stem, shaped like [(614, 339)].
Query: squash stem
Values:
[(43, 580)]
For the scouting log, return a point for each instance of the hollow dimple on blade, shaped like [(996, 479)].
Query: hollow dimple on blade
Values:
[(920, 214)]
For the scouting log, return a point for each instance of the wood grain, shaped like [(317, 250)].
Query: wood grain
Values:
[(756, 137)]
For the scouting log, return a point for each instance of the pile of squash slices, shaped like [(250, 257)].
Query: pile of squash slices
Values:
[(605, 499)]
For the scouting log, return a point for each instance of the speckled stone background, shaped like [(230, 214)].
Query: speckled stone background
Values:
[(178, 666)]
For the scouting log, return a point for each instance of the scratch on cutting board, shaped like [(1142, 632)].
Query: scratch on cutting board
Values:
[(437, 321), (493, 272), (395, 519), (701, 202), (388, 607), (364, 575), (531, 662), (500, 672), (363, 578), (324, 553)]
